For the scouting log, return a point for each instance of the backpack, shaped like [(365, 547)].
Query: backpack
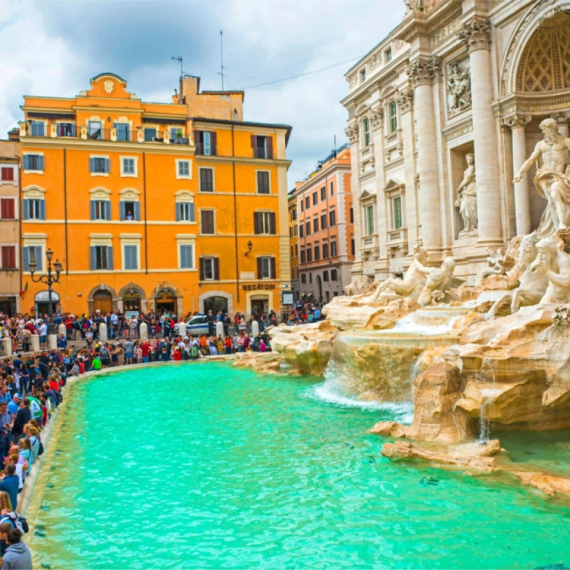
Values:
[(40, 450), (17, 521)]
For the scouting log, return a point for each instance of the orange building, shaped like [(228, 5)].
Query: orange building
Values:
[(176, 206), (326, 230), (294, 244)]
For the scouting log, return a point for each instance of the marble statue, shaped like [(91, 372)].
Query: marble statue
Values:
[(358, 286), (438, 280), (459, 88), (467, 198), (496, 261), (554, 264), (552, 178), (530, 284), (412, 283)]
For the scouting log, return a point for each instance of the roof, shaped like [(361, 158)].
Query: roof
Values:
[(214, 92), (108, 73), (288, 128)]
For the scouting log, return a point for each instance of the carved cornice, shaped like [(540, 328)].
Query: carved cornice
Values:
[(377, 117), (405, 101), (534, 104), (476, 34), (515, 120), (424, 70)]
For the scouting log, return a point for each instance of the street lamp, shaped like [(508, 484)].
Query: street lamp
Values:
[(249, 247), (49, 280)]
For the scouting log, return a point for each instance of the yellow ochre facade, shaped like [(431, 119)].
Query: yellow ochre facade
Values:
[(176, 206)]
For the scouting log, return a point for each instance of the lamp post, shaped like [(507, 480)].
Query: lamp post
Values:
[(49, 280)]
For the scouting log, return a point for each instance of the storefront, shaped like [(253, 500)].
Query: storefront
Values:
[(8, 305), (165, 301), (215, 304), (132, 300), (41, 302)]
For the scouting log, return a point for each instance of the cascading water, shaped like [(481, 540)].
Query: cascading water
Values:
[(488, 376)]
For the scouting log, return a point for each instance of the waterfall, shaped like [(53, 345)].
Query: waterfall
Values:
[(487, 375)]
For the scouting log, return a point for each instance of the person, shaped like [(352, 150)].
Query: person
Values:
[(18, 555), (11, 484), (23, 416), (26, 453), (5, 502), (5, 528), (129, 347)]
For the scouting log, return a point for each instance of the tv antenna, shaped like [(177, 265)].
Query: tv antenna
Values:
[(180, 60), (221, 72)]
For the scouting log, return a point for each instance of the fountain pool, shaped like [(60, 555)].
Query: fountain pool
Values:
[(208, 466)]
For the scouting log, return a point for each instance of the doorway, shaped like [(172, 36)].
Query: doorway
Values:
[(215, 304), (259, 305), (132, 301), (102, 302), (165, 301)]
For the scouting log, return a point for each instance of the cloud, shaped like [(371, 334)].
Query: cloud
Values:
[(54, 48)]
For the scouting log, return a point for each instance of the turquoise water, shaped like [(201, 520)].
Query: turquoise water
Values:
[(208, 466)]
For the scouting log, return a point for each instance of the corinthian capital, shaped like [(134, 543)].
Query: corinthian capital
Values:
[(476, 34), (424, 70), (352, 133), (517, 120), (377, 117), (405, 100)]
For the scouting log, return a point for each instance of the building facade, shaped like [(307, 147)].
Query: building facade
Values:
[(442, 114), (294, 244), (177, 206), (325, 228), (10, 284)]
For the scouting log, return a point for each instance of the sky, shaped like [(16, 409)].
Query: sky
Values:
[(53, 48)]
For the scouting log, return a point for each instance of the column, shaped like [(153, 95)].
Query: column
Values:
[(352, 134), (517, 123), (377, 122), (422, 73), (475, 35)]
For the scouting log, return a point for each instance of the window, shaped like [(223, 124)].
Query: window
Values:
[(99, 165), (102, 257), (309, 255), (262, 146), (366, 132), (351, 215), (128, 167), (33, 162), (332, 189), (301, 230), (393, 116), (209, 269), (317, 252), (122, 131), (325, 250), (130, 211), (38, 128), (130, 259), (8, 209), (333, 248), (185, 212), (292, 251), (207, 222), (362, 75), (397, 212), (293, 215), (310, 277), (66, 130), (32, 254), (206, 143), (186, 257), (334, 275), (303, 256), (325, 275), (315, 198), (262, 182), (183, 170), (264, 222), (308, 228), (8, 257), (307, 202), (332, 218), (206, 179), (7, 174), (301, 206), (303, 278), (34, 209), (150, 134), (352, 246), (266, 268), (100, 210), (316, 224), (295, 229), (324, 193), (324, 221), (369, 210), (95, 130), (388, 55)]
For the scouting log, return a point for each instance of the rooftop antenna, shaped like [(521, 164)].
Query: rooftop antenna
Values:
[(179, 59), (221, 72)]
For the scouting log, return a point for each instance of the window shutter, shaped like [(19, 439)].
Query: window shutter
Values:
[(216, 269), (25, 162), (256, 222), (40, 162), (93, 206), (26, 258), (192, 212), (201, 269), (38, 258), (107, 165), (26, 209), (178, 212), (91, 165), (259, 267), (272, 229), (107, 209), (42, 209), (213, 144), (122, 210), (137, 212), (269, 143), (272, 267), (110, 262), (254, 145), (93, 257)]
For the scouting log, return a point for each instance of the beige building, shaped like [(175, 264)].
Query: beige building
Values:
[(455, 78), (10, 284)]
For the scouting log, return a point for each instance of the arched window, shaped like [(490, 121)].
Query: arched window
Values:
[(366, 132)]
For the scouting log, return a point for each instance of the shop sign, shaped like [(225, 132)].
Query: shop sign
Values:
[(260, 287)]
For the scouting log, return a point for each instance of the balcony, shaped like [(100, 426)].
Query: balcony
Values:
[(370, 243)]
